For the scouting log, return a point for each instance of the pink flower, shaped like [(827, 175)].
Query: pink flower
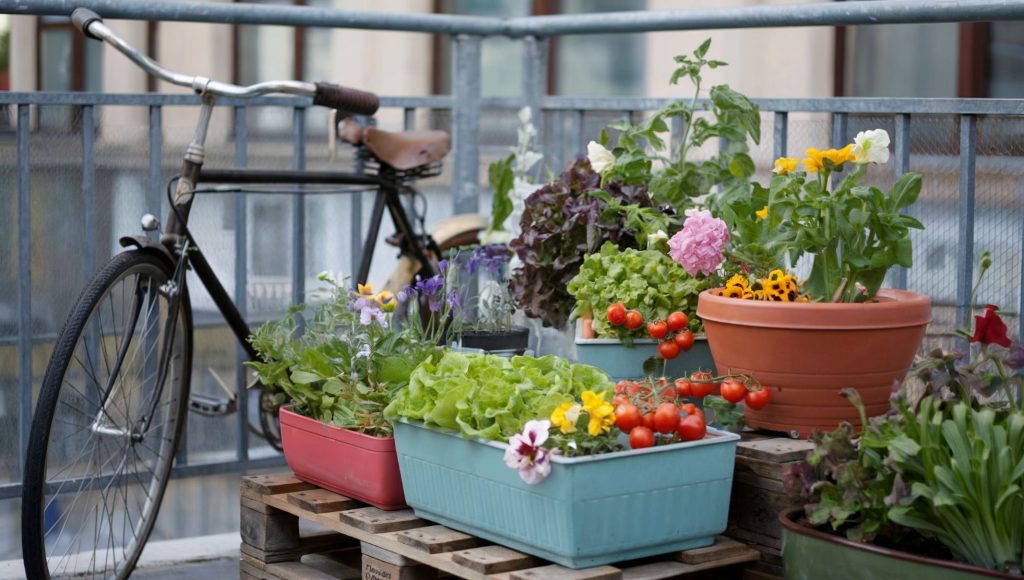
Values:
[(698, 246), (526, 452)]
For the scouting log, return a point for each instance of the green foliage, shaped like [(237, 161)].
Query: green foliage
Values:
[(856, 233), (501, 176), (645, 156), (644, 280), (491, 397), (338, 370)]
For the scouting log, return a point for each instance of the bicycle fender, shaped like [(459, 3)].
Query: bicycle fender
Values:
[(143, 243)]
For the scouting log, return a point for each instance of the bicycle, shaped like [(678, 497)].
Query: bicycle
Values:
[(117, 393)]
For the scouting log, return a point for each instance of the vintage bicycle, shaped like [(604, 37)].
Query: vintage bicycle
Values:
[(114, 398)]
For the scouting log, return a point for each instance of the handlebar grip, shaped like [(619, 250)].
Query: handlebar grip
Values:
[(82, 18), (346, 99)]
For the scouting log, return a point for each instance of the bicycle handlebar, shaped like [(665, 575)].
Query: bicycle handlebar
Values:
[(325, 94)]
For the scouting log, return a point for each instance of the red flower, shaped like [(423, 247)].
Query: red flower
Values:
[(990, 328)]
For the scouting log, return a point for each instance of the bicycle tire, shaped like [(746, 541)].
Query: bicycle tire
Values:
[(138, 278)]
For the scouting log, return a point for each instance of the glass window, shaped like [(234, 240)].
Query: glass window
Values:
[(1006, 60), (905, 60), (266, 53), (501, 59), (600, 65)]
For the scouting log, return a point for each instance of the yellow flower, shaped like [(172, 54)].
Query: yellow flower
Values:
[(840, 156), (762, 213), (738, 280), (814, 161), (785, 165), (732, 292), (776, 275), (602, 413), (365, 290), (565, 415), (386, 301)]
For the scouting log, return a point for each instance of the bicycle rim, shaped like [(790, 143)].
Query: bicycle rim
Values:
[(107, 424)]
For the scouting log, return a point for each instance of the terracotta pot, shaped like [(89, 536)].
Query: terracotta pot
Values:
[(811, 553), (355, 465), (807, 353)]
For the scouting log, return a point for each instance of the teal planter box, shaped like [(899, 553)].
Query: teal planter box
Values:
[(623, 362), (589, 511)]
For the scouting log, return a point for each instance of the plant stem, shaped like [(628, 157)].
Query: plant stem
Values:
[(684, 144)]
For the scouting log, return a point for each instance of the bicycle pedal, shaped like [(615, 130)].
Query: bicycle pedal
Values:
[(212, 406)]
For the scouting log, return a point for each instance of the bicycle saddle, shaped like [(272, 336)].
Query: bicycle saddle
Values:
[(402, 150)]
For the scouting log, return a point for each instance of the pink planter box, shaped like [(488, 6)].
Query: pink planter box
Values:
[(346, 462)]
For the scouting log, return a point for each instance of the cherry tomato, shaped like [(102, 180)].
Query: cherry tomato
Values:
[(627, 417), (657, 329), (666, 418), (668, 350), (641, 437), (692, 428), (758, 399), (649, 420), (616, 314), (634, 320), (619, 399), (621, 386), (683, 388), (700, 389), (677, 321), (733, 391), (684, 340), (691, 409)]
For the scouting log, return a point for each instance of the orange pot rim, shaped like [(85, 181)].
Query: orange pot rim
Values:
[(892, 309)]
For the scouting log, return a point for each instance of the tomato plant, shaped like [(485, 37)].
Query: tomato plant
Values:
[(733, 391), (649, 420), (677, 321), (692, 428), (691, 409), (683, 388), (668, 350), (758, 399), (634, 320), (684, 340), (657, 329), (702, 389), (666, 418), (641, 437), (627, 417), (616, 314)]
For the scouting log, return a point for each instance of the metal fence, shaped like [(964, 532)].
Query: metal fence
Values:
[(968, 149)]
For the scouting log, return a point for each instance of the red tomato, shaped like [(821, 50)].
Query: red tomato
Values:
[(649, 420), (666, 418), (619, 399), (677, 321), (733, 391), (621, 386), (634, 320), (700, 389), (758, 399), (627, 417), (657, 329), (692, 428), (641, 437), (684, 340), (691, 409), (683, 388), (668, 350), (616, 314)]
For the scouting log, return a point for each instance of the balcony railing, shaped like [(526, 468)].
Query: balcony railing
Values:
[(64, 187)]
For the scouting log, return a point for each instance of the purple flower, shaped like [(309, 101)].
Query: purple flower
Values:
[(699, 245), (454, 300), (1015, 360), (431, 285), (443, 266), (405, 294), (526, 453), (491, 258)]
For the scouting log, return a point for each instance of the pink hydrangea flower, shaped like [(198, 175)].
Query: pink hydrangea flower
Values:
[(526, 454), (698, 246)]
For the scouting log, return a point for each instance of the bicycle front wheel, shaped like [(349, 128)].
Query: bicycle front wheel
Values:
[(107, 423)]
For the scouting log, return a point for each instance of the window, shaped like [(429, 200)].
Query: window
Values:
[(1006, 60), (67, 62)]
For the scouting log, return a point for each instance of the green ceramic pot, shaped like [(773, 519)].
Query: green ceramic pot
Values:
[(810, 554)]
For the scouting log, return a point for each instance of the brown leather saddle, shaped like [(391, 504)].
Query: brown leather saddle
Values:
[(402, 150)]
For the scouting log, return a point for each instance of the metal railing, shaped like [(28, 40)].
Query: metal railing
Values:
[(564, 115)]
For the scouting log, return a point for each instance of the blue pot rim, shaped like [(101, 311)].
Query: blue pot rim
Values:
[(718, 437)]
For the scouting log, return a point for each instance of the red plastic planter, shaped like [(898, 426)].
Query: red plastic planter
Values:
[(353, 464)]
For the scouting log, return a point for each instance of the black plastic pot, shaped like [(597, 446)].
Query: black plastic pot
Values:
[(516, 340)]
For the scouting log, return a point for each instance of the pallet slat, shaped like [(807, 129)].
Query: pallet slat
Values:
[(493, 559), (319, 501), (435, 539)]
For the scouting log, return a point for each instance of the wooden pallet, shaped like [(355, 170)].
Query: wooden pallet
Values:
[(397, 545)]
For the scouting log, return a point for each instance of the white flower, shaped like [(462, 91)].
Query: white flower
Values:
[(600, 158), (526, 160), (525, 114), (802, 269), (871, 147), (525, 452), (656, 237)]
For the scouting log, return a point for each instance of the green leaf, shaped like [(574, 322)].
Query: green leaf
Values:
[(905, 191), (501, 178), (702, 49), (742, 165), (305, 377)]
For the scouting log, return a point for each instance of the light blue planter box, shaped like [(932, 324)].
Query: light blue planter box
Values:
[(623, 362), (590, 511)]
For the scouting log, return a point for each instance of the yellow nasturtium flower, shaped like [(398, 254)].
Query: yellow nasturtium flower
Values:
[(814, 162), (365, 290), (386, 301), (840, 156), (785, 165), (762, 213), (565, 415), (602, 413)]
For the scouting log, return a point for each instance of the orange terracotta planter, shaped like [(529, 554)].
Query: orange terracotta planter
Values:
[(807, 353)]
